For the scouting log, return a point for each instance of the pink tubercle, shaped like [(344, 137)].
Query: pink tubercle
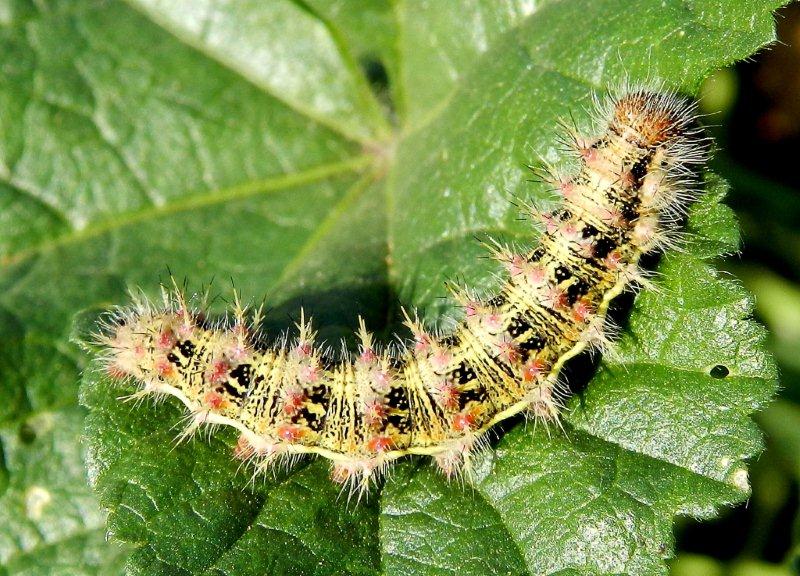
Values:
[(610, 216), (440, 359), (308, 373), (473, 308), (507, 349), (567, 188), (214, 400), (243, 450), (239, 352), (586, 247), (536, 274), (554, 297), (518, 264), (186, 330), (303, 349), (341, 473), (644, 232), (447, 394), (570, 232), (626, 179), (367, 356), (589, 155), (493, 322), (218, 371), (166, 339), (374, 412), (290, 433), (382, 379)]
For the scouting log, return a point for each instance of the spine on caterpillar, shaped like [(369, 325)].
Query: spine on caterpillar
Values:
[(438, 394)]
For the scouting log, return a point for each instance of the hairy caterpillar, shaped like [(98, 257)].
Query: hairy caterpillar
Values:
[(437, 394)]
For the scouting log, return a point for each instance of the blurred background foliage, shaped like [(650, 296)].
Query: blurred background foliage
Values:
[(757, 128)]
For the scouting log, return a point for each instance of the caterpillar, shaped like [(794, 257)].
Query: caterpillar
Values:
[(437, 393)]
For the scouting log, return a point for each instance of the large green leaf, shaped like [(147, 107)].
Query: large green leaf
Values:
[(242, 140)]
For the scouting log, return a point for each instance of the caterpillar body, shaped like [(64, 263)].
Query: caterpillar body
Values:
[(437, 394)]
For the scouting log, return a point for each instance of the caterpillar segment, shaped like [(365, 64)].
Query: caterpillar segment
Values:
[(437, 395)]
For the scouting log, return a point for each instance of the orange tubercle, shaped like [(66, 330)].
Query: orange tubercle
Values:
[(582, 310), (464, 421), (293, 402), (165, 368), (380, 444), (532, 369)]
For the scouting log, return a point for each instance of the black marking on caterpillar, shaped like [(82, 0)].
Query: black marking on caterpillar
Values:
[(440, 393)]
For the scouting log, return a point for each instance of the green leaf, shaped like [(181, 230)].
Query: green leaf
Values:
[(51, 524), (242, 140)]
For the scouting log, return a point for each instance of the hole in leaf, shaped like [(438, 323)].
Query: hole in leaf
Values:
[(379, 80), (376, 74), (27, 435), (719, 371)]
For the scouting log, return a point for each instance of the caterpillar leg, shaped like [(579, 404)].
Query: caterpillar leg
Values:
[(264, 455), (357, 476), (192, 425), (543, 405), (456, 461)]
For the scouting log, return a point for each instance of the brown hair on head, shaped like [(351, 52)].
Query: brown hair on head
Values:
[(646, 117)]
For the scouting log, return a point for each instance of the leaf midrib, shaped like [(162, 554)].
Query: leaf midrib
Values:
[(195, 201)]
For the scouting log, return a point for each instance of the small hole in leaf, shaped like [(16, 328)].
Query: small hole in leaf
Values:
[(719, 371), (27, 435), (376, 74)]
